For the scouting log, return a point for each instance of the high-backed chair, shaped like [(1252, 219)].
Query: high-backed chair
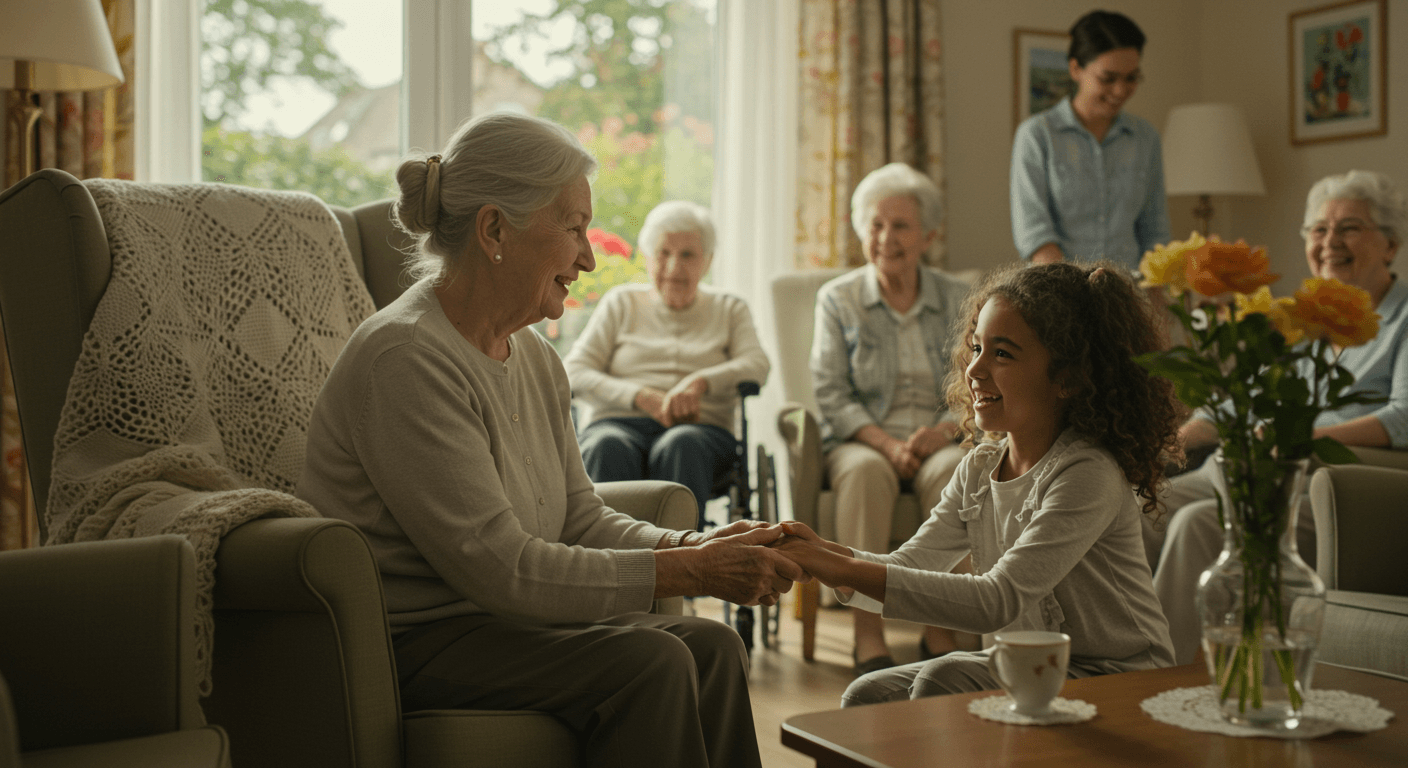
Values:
[(97, 646), (813, 503), (303, 673), (1360, 527)]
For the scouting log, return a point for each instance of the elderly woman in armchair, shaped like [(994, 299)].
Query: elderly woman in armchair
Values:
[(659, 364), (444, 433), (1354, 224), (882, 344)]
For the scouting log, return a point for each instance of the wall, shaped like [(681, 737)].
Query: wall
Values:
[(978, 85), (1249, 37)]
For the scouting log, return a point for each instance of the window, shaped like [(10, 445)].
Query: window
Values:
[(302, 95), (636, 82)]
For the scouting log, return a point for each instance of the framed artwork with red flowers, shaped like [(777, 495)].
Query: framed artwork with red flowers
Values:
[(1339, 72)]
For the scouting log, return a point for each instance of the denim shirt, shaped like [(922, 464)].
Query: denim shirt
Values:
[(855, 350), (1095, 199)]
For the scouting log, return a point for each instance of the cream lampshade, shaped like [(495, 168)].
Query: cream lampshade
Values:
[(53, 45), (1208, 151)]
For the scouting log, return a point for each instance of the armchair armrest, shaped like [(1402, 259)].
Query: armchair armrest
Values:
[(660, 503), (1381, 457), (97, 641), (805, 465), (1360, 524)]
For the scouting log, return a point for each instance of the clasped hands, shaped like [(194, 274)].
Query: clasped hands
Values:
[(678, 406), (907, 455), (749, 562)]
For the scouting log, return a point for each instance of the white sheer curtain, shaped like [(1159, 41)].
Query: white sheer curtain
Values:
[(755, 179), (166, 113)]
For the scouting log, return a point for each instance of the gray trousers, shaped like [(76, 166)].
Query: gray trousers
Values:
[(956, 672), (640, 689)]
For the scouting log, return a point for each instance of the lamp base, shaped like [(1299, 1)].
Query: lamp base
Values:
[(25, 113), (1203, 213)]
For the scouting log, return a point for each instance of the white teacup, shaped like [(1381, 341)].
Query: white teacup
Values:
[(1031, 666)]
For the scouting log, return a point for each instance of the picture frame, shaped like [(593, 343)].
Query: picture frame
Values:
[(1339, 72), (1041, 76)]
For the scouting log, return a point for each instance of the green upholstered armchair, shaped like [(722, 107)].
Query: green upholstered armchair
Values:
[(97, 668), (1361, 522), (303, 670)]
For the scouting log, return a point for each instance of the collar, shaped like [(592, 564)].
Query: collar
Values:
[(929, 296), (1065, 120), (1394, 301)]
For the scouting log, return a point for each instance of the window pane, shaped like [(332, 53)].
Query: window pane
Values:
[(302, 95), (636, 82)]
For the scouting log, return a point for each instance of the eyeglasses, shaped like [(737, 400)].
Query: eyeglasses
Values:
[(1110, 78), (1349, 230)]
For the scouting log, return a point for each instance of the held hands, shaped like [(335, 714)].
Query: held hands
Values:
[(902, 458), (731, 563), (821, 559)]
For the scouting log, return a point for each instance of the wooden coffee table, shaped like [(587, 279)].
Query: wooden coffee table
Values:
[(939, 731)]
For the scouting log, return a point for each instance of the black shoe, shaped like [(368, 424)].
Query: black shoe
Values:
[(871, 665)]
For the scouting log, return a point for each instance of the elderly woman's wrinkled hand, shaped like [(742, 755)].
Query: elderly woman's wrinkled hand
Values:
[(652, 401), (683, 400), (925, 441), (821, 559), (904, 461), (741, 569)]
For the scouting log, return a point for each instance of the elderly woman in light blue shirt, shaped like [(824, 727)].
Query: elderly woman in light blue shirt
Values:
[(879, 356), (1354, 224), (1087, 179)]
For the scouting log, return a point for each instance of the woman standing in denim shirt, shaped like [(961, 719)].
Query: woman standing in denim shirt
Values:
[(880, 351), (1088, 178)]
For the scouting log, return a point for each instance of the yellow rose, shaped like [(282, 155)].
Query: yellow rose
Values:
[(1167, 265), (1219, 267), (1277, 310), (1329, 309)]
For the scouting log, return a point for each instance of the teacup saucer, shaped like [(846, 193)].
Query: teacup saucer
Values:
[(999, 708)]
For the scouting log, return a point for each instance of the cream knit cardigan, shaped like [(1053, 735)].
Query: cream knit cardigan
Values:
[(188, 409)]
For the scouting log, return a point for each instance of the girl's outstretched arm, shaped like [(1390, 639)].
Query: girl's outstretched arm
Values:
[(830, 563)]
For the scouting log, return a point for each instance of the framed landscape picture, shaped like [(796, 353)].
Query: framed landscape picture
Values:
[(1339, 72), (1039, 69)]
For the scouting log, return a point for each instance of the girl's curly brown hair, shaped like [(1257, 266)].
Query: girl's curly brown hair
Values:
[(1093, 320)]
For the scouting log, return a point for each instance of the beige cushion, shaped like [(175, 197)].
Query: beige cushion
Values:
[(1366, 631)]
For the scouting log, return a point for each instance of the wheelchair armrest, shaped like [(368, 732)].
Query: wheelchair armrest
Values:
[(805, 468)]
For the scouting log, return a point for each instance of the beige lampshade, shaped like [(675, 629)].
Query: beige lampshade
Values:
[(1208, 151), (67, 41)]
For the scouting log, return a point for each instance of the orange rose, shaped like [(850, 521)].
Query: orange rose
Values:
[(1329, 309), (1219, 267), (1167, 265)]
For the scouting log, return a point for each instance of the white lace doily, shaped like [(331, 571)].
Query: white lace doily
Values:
[(999, 708), (1197, 709)]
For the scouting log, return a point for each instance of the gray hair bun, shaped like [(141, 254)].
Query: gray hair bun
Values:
[(419, 207)]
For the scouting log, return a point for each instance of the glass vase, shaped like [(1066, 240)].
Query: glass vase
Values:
[(1261, 606)]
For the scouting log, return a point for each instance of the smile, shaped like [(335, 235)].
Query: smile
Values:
[(983, 401)]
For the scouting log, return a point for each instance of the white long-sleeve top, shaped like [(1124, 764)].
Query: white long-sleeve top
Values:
[(1058, 549), (465, 475), (634, 340)]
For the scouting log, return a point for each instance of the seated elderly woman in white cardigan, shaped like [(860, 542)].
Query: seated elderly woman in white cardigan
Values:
[(658, 365)]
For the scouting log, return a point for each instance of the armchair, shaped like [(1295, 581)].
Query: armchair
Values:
[(303, 673), (1360, 526), (97, 651)]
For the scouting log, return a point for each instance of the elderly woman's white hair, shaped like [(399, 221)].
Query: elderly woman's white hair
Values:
[(891, 180), (1386, 204), (516, 162), (673, 217)]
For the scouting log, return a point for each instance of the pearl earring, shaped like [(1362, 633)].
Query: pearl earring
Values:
[(498, 258)]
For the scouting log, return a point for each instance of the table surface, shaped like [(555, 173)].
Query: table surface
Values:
[(939, 729)]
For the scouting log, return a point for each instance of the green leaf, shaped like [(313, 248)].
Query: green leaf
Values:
[(1332, 451)]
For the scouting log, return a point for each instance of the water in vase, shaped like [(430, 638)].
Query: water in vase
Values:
[(1259, 695)]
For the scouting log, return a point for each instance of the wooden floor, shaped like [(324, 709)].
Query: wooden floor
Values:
[(783, 685)]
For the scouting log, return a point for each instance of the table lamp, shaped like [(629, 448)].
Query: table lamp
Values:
[(53, 45), (1208, 151)]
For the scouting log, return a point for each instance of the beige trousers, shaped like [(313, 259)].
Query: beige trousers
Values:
[(866, 488)]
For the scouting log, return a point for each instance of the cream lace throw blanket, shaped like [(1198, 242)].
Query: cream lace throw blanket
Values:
[(188, 408)]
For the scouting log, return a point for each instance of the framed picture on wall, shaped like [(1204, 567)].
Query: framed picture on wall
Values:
[(1039, 70), (1339, 72)]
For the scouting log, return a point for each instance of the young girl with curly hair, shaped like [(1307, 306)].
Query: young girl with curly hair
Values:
[(1070, 438)]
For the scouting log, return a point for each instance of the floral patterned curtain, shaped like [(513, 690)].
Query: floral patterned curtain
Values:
[(871, 93), (88, 134)]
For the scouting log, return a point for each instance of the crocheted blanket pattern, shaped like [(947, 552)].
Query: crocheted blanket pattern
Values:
[(188, 408)]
